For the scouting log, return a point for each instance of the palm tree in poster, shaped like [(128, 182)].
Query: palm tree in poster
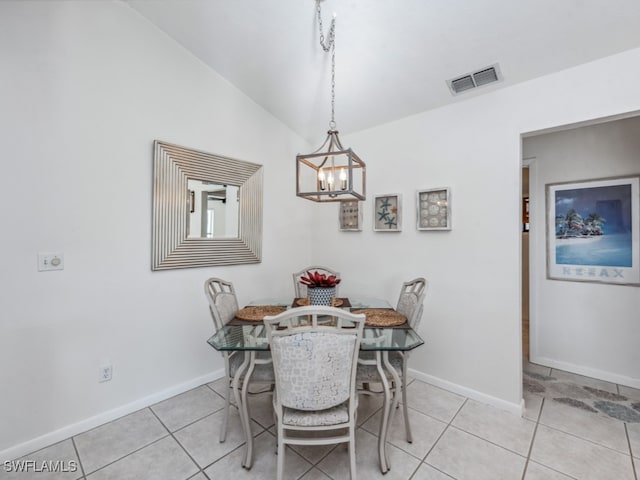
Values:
[(594, 224), (573, 224)]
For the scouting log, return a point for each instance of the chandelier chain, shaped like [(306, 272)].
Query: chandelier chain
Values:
[(329, 44)]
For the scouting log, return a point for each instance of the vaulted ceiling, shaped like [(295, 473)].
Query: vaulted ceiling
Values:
[(393, 56)]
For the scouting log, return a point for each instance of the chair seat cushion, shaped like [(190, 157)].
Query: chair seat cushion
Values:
[(316, 418)]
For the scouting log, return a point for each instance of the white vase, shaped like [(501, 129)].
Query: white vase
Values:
[(321, 295)]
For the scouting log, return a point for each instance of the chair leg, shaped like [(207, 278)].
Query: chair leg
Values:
[(248, 463), (227, 402), (352, 454), (280, 460), (405, 402), (382, 436)]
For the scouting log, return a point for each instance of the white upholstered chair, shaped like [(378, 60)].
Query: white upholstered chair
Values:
[(223, 306), (315, 371), (300, 289), (411, 305)]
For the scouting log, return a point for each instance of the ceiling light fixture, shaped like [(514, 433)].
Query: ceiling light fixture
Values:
[(335, 174)]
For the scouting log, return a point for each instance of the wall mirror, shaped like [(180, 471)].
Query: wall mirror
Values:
[(207, 209)]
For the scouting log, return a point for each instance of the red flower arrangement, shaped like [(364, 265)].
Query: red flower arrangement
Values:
[(315, 279)]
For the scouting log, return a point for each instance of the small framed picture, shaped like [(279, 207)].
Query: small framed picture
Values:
[(350, 216), (387, 213), (434, 209)]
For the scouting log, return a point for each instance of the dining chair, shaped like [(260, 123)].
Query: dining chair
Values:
[(411, 305), (223, 305), (300, 289), (315, 371)]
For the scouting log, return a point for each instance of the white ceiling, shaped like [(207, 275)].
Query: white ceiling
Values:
[(393, 56)]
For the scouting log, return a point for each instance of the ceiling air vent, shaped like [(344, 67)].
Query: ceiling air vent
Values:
[(473, 80)]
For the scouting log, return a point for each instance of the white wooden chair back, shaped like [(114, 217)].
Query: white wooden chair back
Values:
[(223, 303), (411, 299)]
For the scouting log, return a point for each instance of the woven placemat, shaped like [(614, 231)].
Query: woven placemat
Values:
[(381, 317), (304, 302), (257, 313)]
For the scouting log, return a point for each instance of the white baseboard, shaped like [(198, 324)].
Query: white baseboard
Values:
[(515, 408), (586, 371), (68, 431)]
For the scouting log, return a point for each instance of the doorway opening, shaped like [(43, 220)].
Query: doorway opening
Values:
[(525, 261)]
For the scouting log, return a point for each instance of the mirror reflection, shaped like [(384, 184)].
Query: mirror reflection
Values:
[(213, 210)]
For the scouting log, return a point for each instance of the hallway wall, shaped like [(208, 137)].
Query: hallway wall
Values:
[(587, 328)]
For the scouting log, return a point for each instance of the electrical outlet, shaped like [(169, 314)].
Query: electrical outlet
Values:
[(105, 372), (50, 261)]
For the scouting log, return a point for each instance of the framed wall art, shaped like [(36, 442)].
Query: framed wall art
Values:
[(593, 231), (434, 209), (387, 213), (350, 216)]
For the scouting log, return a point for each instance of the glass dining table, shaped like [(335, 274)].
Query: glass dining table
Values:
[(251, 338)]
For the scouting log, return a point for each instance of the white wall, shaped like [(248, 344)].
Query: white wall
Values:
[(86, 87), (588, 328), (472, 321)]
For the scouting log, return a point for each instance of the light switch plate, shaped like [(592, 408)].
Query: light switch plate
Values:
[(50, 261)]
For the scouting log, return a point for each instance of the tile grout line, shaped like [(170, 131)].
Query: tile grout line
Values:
[(424, 459), (533, 439), (200, 470), (593, 442), (626, 431), (502, 447), (129, 454), (190, 423), (223, 456), (633, 466), (617, 387), (75, 447)]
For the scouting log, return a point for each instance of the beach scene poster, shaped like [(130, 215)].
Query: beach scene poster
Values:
[(592, 231)]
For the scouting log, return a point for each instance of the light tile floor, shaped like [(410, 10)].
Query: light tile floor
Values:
[(454, 438)]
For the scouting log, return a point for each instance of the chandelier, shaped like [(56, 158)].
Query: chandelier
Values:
[(332, 173)]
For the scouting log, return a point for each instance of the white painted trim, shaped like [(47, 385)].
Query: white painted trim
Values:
[(515, 408), (69, 431), (587, 372), (537, 259)]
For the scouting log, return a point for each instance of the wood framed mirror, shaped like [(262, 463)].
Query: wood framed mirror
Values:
[(207, 209)]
